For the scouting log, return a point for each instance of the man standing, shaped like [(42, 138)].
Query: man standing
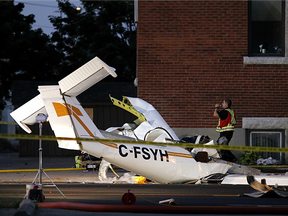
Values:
[(225, 126)]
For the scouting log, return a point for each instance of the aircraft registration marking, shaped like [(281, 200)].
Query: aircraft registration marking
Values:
[(150, 153)]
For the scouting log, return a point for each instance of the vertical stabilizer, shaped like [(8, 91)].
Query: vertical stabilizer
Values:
[(62, 125), (67, 117)]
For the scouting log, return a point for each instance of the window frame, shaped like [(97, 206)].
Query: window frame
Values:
[(283, 25), (281, 144)]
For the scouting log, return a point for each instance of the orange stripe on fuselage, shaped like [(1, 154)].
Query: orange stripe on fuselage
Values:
[(113, 145), (176, 154)]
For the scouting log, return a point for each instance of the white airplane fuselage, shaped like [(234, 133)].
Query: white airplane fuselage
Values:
[(163, 164)]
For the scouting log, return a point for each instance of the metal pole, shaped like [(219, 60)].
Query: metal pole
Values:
[(40, 155), (40, 171)]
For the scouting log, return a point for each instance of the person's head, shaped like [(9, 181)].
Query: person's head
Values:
[(226, 103)]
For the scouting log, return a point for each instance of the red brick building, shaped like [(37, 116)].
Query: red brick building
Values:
[(193, 54)]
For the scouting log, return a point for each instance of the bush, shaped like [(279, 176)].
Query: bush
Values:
[(249, 158)]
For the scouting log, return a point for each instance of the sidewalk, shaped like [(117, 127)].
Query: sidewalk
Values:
[(14, 170)]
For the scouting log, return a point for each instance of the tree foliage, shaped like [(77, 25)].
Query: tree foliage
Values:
[(102, 28), (25, 53)]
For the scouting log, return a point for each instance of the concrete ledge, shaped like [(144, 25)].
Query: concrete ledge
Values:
[(26, 208), (265, 60), (265, 123)]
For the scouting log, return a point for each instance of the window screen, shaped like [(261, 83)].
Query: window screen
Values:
[(267, 139)]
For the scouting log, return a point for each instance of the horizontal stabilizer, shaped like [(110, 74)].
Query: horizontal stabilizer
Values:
[(85, 77), (26, 114)]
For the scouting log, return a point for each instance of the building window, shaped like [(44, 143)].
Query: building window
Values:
[(266, 36), (267, 139)]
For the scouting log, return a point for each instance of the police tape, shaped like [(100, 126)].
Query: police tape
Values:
[(46, 170), (108, 141), (268, 166), (9, 123)]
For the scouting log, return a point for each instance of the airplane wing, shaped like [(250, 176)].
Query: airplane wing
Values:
[(148, 120)]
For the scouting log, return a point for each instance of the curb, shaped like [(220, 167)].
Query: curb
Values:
[(26, 208)]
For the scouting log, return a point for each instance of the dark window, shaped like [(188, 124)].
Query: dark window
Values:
[(266, 28)]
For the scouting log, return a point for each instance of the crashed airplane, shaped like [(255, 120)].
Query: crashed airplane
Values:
[(162, 164)]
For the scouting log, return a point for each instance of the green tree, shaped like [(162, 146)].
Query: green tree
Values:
[(102, 28), (24, 53)]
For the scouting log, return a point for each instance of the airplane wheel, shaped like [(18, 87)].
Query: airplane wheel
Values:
[(128, 199)]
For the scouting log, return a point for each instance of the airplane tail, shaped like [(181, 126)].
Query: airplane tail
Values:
[(65, 114), (67, 117)]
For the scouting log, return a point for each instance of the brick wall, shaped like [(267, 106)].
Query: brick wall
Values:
[(190, 56)]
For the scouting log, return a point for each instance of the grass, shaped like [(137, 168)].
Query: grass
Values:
[(10, 202)]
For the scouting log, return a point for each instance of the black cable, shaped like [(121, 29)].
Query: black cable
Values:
[(40, 5)]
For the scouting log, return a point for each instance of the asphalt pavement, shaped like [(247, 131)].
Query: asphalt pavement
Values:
[(15, 169), (22, 170)]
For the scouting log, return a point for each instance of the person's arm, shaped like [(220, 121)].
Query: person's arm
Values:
[(215, 110)]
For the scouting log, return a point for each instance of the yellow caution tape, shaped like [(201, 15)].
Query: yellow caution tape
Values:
[(35, 170), (184, 145), (12, 123), (268, 166)]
